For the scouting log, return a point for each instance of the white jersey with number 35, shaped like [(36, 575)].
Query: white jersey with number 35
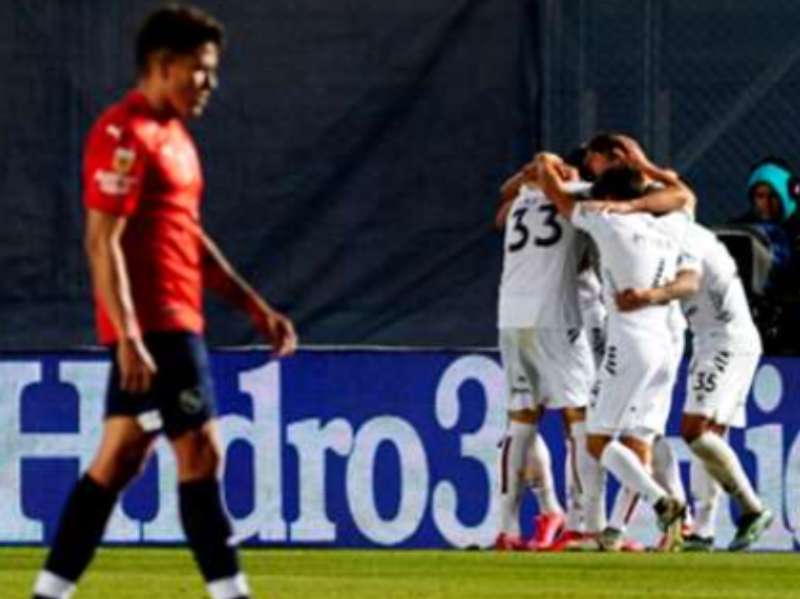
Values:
[(540, 264)]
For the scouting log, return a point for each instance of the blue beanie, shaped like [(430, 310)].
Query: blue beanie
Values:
[(778, 179)]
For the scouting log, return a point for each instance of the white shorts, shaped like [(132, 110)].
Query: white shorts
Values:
[(551, 368), (633, 390), (718, 383)]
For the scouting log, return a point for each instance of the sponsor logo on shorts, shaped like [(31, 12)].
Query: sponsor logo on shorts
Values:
[(191, 400), (150, 421)]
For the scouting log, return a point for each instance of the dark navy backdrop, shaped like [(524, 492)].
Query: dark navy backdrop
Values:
[(352, 156), (355, 147)]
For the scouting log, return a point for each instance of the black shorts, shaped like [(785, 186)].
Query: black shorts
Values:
[(181, 397)]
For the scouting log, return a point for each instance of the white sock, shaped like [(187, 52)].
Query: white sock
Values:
[(229, 588), (707, 493), (51, 585), (623, 463), (667, 472), (574, 493), (513, 455), (591, 482), (625, 505), (723, 464), (542, 483)]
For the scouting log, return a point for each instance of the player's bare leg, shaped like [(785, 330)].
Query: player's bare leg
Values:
[(123, 451), (708, 443), (205, 521), (514, 456)]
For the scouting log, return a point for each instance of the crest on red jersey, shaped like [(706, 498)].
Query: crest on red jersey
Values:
[(122, 161)]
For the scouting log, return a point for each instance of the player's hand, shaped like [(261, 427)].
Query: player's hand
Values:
[(631, 153), (136, 366), (628, 300), (543, 158), (278, 330)]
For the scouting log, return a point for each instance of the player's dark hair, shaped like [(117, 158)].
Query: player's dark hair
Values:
[(619, 183), (605, 143), (177, 29), (577, 158)]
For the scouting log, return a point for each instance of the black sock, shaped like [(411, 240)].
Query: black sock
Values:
[(80, 528), (207, 529)]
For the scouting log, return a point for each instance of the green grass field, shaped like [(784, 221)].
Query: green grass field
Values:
[(309, 574)]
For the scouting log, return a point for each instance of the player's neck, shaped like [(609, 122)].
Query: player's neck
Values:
[(156, 99)]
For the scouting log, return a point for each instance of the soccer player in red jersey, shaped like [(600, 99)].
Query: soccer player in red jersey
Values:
[(150, 260)]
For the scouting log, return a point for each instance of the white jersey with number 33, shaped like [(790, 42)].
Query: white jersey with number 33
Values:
[(540, 264)]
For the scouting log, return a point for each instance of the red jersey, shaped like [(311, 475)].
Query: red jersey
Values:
[(146, 168)]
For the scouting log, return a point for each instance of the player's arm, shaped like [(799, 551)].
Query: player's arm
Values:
[(686, 283), (222, 279), (675, 193), (112, 286), (552, 182), (669, 198), (510, 189)]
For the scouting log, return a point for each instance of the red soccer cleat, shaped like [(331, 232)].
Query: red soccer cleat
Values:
[(545, 529), (507, 542), (573, 540)]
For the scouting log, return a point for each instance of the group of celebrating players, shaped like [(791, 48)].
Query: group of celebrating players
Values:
[(604, 268)]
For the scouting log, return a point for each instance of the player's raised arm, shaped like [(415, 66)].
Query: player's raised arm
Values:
[(675, 193), (686, 283), (551, 180), (671, 195), (222, 278), (112, 287)]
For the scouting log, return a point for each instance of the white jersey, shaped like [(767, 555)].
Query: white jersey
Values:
[(718, 313), (633, 388), (635, 252), (540, 264)]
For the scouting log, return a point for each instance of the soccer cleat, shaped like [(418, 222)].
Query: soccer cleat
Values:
[(750, 528), (573, 540), (686, 531), (670, 513), (507, 542), (696, 543), (545, 529), (610, 540)]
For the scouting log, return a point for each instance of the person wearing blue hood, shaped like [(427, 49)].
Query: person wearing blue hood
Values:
[(774, 193), (773, 221)]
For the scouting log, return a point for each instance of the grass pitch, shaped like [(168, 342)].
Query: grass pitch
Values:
[(139, 573)]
